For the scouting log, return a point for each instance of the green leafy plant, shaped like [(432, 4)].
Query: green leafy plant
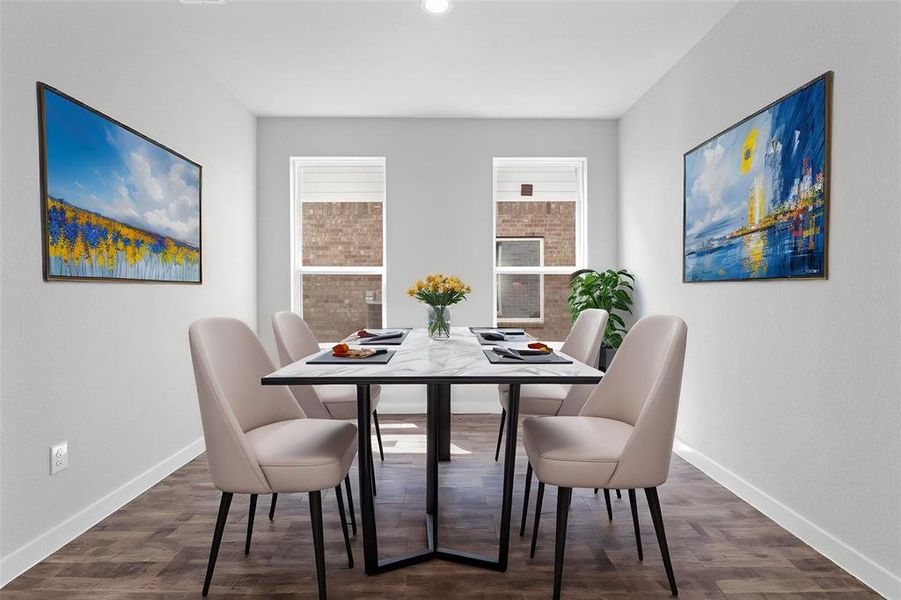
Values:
[(609, 290)]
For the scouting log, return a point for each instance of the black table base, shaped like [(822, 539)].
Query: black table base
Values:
[(438, 449)]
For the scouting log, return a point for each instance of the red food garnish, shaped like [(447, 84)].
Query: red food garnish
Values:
[(364, 333), (340, 349), (539, 346)]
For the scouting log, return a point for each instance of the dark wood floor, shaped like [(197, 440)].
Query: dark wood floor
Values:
[(157, 546)]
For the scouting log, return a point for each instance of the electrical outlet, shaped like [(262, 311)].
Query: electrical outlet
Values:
[(59, 457)]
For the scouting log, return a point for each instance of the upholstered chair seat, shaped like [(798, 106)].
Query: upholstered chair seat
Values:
[(341, 400), (303, 455), (576, 452), (535, 399)]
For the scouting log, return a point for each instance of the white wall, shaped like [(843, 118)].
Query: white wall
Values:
[(792, 388), (439, 204), (106, 366)]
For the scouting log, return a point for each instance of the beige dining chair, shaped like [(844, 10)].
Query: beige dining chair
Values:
[(583, 343), (295, 340), (622, 437), (257, 439)]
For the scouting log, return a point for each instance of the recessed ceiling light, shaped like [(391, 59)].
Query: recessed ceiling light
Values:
[(436, 7)]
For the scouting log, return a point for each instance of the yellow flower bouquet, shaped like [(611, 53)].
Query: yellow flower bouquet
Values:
[(439, 292)]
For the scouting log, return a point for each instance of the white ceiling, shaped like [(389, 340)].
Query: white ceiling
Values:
[(483, 59)]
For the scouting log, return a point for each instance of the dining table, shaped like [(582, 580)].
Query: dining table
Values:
[(460, 359)]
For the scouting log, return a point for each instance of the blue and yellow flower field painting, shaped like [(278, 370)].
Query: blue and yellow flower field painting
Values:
[(756, 194), (117, 206)]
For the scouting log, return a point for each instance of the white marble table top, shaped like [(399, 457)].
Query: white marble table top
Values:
[(421, 359)]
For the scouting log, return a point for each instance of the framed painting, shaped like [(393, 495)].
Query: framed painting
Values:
[(756, 196), (116, 205)]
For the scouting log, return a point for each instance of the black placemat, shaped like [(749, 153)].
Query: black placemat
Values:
[(507, 338), (327, 358), (542, 359), (397, 341), (478, 330)]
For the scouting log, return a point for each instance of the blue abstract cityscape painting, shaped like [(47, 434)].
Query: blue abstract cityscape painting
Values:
[(756, 195), (117, 205)]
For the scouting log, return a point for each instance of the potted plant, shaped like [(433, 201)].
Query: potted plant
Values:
[(609, 290)]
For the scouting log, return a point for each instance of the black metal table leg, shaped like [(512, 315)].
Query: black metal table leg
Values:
[(364, 464), (434, 392), (443, 410), (437, 440), (509, 473)]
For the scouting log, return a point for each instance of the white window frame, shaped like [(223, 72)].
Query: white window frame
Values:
[(497, 295), (298, 270), (581, 166)]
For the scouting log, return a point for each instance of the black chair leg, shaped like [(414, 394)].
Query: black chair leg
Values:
[(500, 434), (272, 506), (607, 502), (633, 501), (657, 517), (250, 515), (372, 470), (525, 500), (350, 504), (564, 495), (350, 554), (538, 502), (318, 541), (217, 539), (378, 434), (619, 495)]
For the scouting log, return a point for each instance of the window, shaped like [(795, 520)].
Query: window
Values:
[(338, 244), (538, 240)]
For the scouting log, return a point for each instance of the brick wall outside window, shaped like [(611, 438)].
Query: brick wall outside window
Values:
[(342, 234), (335, 306), (556, 223)]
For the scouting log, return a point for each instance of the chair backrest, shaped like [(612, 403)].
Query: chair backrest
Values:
[(584, 340), (641, 387), (583, 343), (228, 365), (295, 340)]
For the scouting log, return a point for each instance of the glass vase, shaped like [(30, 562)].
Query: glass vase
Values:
[(439, 320)]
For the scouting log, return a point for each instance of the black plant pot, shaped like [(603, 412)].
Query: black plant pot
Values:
[(605, 357)]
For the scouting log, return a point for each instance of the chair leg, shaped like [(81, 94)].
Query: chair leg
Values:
[(564, 495), (619, 495), (250, 515), (500, 434), (607, 502), (318, 541), (350, 554), (372, 470), (633, 501), (217, 539), (350, 504), (657, 517), (272, 506), (378, 434), (538, 502), (525, 500)]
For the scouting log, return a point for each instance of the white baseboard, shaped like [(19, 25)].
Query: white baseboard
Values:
[(25, 557), (853, 561)]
